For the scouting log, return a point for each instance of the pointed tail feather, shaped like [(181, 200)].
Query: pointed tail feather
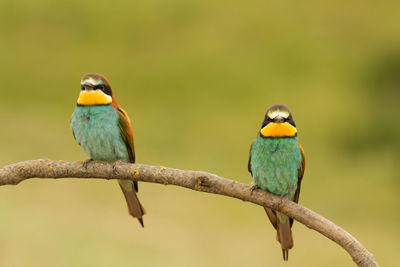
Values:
[(285, 253), (281, 223), (284, 234), (135, 208)]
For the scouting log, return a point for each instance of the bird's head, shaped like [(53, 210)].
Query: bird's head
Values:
[(278, 122), (95, 90)]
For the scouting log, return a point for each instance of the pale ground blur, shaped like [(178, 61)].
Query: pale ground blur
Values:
[(196, 78)]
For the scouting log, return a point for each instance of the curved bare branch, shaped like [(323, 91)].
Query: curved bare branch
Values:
[(195, 180)]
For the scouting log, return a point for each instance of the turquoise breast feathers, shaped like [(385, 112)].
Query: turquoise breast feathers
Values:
[(275, 163), (96, 130)]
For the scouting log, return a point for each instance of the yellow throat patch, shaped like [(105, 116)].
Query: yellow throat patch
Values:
[(93, 97), (284, 129)]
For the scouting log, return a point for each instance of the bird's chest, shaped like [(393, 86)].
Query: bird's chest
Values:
[(96, 130), (275, 163)]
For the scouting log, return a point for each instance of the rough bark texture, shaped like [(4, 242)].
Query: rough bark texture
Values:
[(195, 180)]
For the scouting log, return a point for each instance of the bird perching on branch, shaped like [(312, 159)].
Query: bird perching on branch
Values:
[(103, 129), (277, 165)]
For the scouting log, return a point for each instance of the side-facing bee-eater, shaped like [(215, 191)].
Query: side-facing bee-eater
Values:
[(103, 129), (277, 164)]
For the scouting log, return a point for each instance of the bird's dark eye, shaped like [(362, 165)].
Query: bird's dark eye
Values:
[(82, 88), (97, 87)]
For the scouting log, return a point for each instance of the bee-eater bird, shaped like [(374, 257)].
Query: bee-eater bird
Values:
[(277, 164), (103, 129)]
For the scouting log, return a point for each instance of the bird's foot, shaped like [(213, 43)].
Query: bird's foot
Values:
[(115, 164), (253, 188), (86, 162)]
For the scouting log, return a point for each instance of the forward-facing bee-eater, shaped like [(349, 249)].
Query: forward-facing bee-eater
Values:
[(277, 164), (103, 129)]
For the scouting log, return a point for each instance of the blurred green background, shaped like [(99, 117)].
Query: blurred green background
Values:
[(196, 78)]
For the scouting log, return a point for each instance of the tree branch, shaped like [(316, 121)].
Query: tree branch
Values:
[(195, 180)]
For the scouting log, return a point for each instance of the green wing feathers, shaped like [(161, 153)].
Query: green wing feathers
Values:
[(125, 128), (300, 175)]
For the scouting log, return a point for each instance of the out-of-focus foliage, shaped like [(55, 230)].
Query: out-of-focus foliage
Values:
[(196, 78), (381, 82)]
